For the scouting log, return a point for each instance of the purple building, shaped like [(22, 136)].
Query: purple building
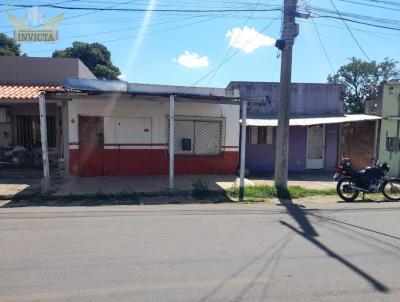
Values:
[(316, 119)]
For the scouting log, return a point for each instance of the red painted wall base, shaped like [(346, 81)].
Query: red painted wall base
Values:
[(155, 162)]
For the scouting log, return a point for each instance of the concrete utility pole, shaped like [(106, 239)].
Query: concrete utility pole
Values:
[(43, 136), (285, 44)]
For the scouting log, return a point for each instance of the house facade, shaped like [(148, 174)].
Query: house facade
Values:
[(116, 128), (389, 139), (22, 81), (316, 123)]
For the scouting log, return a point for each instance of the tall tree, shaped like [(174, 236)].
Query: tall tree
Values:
[(8, 46), (361, 79), (95, 56)]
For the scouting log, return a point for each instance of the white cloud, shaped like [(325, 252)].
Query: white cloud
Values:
[(192, 60), (122, 77), (248, 39)]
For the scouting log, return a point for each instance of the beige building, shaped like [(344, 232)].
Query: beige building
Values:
[(22, 80)]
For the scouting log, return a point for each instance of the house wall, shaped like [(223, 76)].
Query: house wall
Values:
[(358, 143), (261, 158), (306, 98), (23, 70), (153, 158), (390, 127)]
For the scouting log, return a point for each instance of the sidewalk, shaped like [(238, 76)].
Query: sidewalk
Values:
[(148, 184)]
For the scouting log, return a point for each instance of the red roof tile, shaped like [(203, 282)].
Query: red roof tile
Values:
[(20, 91)]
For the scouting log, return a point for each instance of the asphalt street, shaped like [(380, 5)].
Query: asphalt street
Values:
[(340, 252)]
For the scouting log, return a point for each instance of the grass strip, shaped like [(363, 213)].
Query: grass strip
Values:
[(266, 191)]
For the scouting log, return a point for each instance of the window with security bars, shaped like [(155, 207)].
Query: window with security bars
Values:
[(198, 137), (262, 136), (28, 131)]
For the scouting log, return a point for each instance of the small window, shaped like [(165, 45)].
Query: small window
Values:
[(198, 137), (392, 144), (262, 136)]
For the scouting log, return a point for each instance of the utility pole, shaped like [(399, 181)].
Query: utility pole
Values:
[(285, 44)]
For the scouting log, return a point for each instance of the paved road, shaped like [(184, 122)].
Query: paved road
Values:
[(345, 252)]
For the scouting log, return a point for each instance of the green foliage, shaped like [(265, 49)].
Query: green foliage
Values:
[(95, 56), (265, 191), (361, 79), (8, 46)]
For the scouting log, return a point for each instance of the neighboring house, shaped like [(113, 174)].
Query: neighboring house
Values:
[(22, 80), (119, 128), (316, 121), (388, 106)]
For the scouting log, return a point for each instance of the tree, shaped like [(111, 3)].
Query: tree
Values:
[(361, 80), (95, 56), (8, 46)]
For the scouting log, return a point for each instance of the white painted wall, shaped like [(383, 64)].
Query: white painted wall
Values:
[(156, 110)]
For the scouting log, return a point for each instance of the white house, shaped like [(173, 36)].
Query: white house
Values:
[(116, 128)]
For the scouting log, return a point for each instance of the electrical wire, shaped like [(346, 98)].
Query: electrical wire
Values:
[(351, 33), (235, 53), (148, 10), (323, 46), (149, 33), (371, 5), (230, 46)]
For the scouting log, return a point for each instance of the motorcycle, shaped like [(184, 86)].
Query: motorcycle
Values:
[(20, 156), (373, 179)]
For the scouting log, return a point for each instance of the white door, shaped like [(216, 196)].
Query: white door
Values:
[(315, 147)]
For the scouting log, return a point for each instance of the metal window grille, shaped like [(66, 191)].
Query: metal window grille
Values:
[(199, 136), (28, 131), (26, 153)]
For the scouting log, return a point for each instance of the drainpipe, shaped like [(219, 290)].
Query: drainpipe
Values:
[(43, 136), (376, 151)]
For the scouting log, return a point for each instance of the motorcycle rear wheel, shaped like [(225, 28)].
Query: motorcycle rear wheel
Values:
[(340, 190), (391, 189)]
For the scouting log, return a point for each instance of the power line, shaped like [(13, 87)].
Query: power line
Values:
[(357, 22), (371, 5), (148, 10), (351, 33), (151, 33), (231, 56), (230, 46), (323, 46), (370, 19)]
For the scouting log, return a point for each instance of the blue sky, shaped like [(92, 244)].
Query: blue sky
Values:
[(181, 48)]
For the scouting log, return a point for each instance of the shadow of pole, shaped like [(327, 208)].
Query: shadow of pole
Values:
[(296, 212), (375, 283)]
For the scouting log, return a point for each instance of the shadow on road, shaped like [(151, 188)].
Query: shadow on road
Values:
[(275, 250), (308, 232)]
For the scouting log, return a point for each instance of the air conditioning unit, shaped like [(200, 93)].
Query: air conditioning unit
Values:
[(4, 116)]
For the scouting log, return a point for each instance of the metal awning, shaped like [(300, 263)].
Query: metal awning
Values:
[(119, 90), (263, 121)]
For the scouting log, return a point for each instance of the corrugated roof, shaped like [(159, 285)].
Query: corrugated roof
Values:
[(148, 89), (263, 121), (25, 92)]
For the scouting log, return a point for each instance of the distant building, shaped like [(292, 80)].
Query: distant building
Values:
[(22, 80), (388, 106), (320, 133)]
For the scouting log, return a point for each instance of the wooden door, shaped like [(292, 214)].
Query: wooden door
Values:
[(91, 145)]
